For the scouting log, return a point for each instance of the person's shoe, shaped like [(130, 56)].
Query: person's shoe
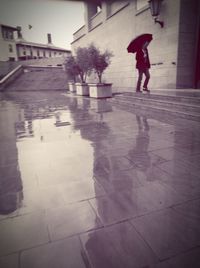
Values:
[(138, 90), (146, 89)]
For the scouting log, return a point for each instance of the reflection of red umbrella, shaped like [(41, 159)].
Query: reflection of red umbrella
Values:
[(138, 42)]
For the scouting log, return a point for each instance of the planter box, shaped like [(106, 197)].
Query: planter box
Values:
[(72, 87), (82, 89), (100, 91)]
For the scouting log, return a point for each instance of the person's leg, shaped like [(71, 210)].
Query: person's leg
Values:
[(140, 74), (147, 75)]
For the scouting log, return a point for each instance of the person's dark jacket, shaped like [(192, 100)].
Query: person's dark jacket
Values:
[(142, 62)]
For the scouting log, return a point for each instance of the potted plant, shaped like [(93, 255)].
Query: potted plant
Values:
[(99, 62), (84, 68), (72, 71)]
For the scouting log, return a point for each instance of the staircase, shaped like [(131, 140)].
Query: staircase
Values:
[(185, 105), (40, 78)]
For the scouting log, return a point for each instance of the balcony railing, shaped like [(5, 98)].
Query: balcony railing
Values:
[(78, 34), (96, 20)]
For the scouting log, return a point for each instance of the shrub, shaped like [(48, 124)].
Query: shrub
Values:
[(71, 68)]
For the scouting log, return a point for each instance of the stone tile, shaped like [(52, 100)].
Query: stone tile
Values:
[(80, 190), (169, 154), (160, 144), (30, 201), (61, 172), (152, 196), (28, 176), (65, 253), (144, 160), (10, 261), (186, 260), (191, 149), (71, 219), (185, 136), (168, 233), (163, 264), (189, 209), (51, 196), (117, 246), (22, 232), (194, 160), (111, 209), (128, 204), (177, 168), (184, 184), (4, 216), (7, 159), (117, 180)]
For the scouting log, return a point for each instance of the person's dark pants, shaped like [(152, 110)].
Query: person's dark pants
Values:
[(140, 75)]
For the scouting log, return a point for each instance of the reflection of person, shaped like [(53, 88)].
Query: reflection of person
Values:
[(143, 65), (139, 154)]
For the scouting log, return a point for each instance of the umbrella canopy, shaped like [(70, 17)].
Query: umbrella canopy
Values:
[(138, 42)]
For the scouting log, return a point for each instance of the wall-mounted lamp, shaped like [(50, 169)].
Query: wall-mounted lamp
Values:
[(155, 10)]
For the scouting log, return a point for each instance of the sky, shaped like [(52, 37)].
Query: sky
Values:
[(58, 17)]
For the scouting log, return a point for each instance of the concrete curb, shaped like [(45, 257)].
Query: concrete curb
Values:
[(10, 77)]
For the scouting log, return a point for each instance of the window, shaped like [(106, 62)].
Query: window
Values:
[(38, 53), (44, 53), (49, 53), (10, 48), (99, 7), (7, 34)]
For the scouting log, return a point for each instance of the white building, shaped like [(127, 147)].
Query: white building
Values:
[(14, 49), (8, 49)]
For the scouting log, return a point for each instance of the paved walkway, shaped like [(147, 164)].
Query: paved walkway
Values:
[(84, 184)]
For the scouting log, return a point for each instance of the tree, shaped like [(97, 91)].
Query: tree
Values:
[(71, 68), (99, 61), (83, 62)]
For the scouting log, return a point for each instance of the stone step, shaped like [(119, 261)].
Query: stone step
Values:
[(191, 99), (169, 104), (154, 110)]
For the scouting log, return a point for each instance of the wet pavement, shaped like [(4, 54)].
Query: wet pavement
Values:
[(85, 184)]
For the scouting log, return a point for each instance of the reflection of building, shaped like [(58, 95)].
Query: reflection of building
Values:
[(10, 181), (13, 49), (173, 51)]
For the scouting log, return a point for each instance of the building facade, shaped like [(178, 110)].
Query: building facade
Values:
[(8, 50), (174, 50), (14, 48), (29, 50)]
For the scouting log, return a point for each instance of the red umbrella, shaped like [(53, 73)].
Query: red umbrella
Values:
[(138, 42)]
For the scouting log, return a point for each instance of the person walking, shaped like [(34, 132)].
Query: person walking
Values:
[(143, 66)]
